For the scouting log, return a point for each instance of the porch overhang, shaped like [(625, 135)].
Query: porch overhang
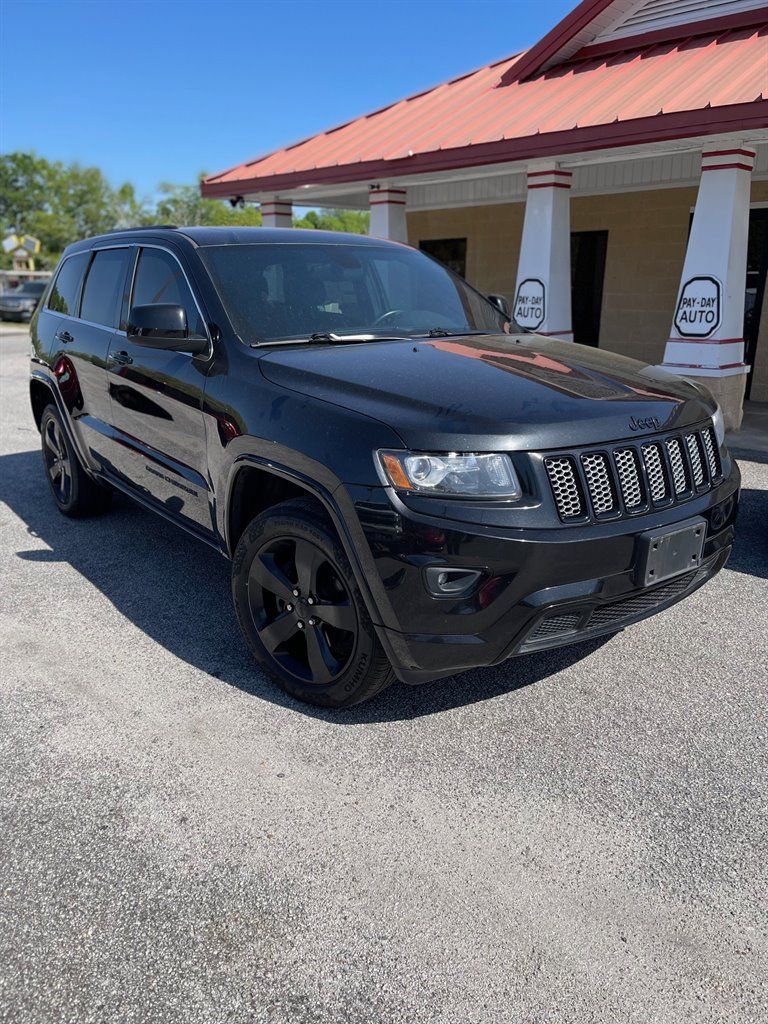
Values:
[(743, 120), (706, 83)]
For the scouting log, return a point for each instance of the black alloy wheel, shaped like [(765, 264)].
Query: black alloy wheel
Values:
[(301, 610), (74, 491), (57, 461)]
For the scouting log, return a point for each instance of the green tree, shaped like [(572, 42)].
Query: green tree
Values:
[(355, 221), (59, 203), (183, 204)]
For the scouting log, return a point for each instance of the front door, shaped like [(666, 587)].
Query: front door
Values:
[(757, 265), (156, 400)]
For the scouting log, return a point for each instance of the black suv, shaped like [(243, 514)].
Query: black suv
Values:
[(406, 483), (20, 303)]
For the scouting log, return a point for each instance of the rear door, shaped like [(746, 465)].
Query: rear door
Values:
[(87, 320), (157, 396)]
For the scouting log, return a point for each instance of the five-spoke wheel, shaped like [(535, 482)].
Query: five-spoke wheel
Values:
[(300, 607), (74, 491), (57, 460), (302, 610)]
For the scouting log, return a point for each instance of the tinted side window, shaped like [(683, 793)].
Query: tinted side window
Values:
[(63, 297), (104, 287), (159, 278)]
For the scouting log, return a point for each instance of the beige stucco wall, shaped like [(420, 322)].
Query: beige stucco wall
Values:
[(647, 236)]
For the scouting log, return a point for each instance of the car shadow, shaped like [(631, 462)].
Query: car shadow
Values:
[(176, 590), (750, 552)]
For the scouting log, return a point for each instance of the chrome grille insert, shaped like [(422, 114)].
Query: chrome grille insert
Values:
[(713, 456), (630, 479), (628, 468), (677, 461), (565, 487), (657, 477), (693, 445), (599, 483)]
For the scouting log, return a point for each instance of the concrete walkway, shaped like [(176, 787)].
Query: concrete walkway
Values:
[(753, 436)]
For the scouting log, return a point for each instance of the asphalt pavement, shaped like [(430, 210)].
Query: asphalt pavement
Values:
[(578, 836)]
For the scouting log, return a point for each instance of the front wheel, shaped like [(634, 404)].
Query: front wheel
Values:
[(301, 611)]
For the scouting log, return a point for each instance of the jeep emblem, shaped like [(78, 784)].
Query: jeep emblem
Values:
[(648, 423)]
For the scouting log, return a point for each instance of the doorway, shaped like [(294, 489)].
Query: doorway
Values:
[(450, 251), (588, 250), (757, 266)]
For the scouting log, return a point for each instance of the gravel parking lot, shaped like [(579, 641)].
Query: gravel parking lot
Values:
[(579, 836)]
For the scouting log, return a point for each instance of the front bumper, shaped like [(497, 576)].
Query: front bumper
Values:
[(17, 315), (537, 589)]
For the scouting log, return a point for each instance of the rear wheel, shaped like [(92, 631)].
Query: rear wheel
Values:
[(301, 611), (74, 492)]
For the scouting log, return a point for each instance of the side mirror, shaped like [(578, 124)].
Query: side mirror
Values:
[(163, 325), (501, 304)]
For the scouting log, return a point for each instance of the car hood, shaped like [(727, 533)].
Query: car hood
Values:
[(499, 392)]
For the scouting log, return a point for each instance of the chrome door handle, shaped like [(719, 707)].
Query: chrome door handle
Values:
[(121, 358), (64, 335)]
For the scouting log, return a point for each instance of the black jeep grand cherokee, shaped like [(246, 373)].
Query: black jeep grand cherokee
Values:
[(405, 482)]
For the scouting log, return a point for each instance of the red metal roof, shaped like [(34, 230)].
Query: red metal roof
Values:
[(712, 82)]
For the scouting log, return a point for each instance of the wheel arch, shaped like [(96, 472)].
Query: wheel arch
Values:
[(40, 394), (43, 391), (294, 483)]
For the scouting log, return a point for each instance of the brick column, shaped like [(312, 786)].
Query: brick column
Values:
[(543, 290), (276, 213), (707, 340), (388, 213)]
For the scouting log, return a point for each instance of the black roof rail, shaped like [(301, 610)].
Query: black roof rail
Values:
[(146, 227)]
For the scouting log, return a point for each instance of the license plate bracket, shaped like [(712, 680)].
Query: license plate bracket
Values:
[(670, 551)]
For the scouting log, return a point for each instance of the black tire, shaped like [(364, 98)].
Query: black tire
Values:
[(74, 492), (318, 644)]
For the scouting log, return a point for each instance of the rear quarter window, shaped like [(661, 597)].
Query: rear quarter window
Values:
[(66, 289)]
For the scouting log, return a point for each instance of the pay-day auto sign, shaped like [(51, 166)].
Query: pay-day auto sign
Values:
[(530, 303), (698, 310)]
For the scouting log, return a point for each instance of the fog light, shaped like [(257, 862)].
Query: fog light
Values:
[(445, 582)]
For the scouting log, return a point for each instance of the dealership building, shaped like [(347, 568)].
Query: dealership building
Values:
[(611, 181)]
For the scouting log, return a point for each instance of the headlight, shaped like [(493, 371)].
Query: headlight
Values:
[(464, 476), (719, 424)]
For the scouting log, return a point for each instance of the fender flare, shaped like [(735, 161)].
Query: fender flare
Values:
[(353, 540), (43, 378)]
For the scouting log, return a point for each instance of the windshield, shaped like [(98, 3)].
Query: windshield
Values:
[(33, 288), (278, 292)]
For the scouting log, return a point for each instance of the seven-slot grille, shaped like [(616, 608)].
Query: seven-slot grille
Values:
[(633, 478)]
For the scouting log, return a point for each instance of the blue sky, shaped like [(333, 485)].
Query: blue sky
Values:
[(159, 91)]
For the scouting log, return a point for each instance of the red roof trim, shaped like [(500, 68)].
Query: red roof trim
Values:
[(745, 19), (558, 171), (555, 40), (727, 167), (728, 152), (658, 128), (707, 341)]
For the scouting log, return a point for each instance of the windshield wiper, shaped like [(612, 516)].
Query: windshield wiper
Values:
[(331, 338), (446, 332)]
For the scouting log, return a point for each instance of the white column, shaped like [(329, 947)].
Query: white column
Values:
[(388, 213), (276, 213), (707, 328), (543, 290)]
